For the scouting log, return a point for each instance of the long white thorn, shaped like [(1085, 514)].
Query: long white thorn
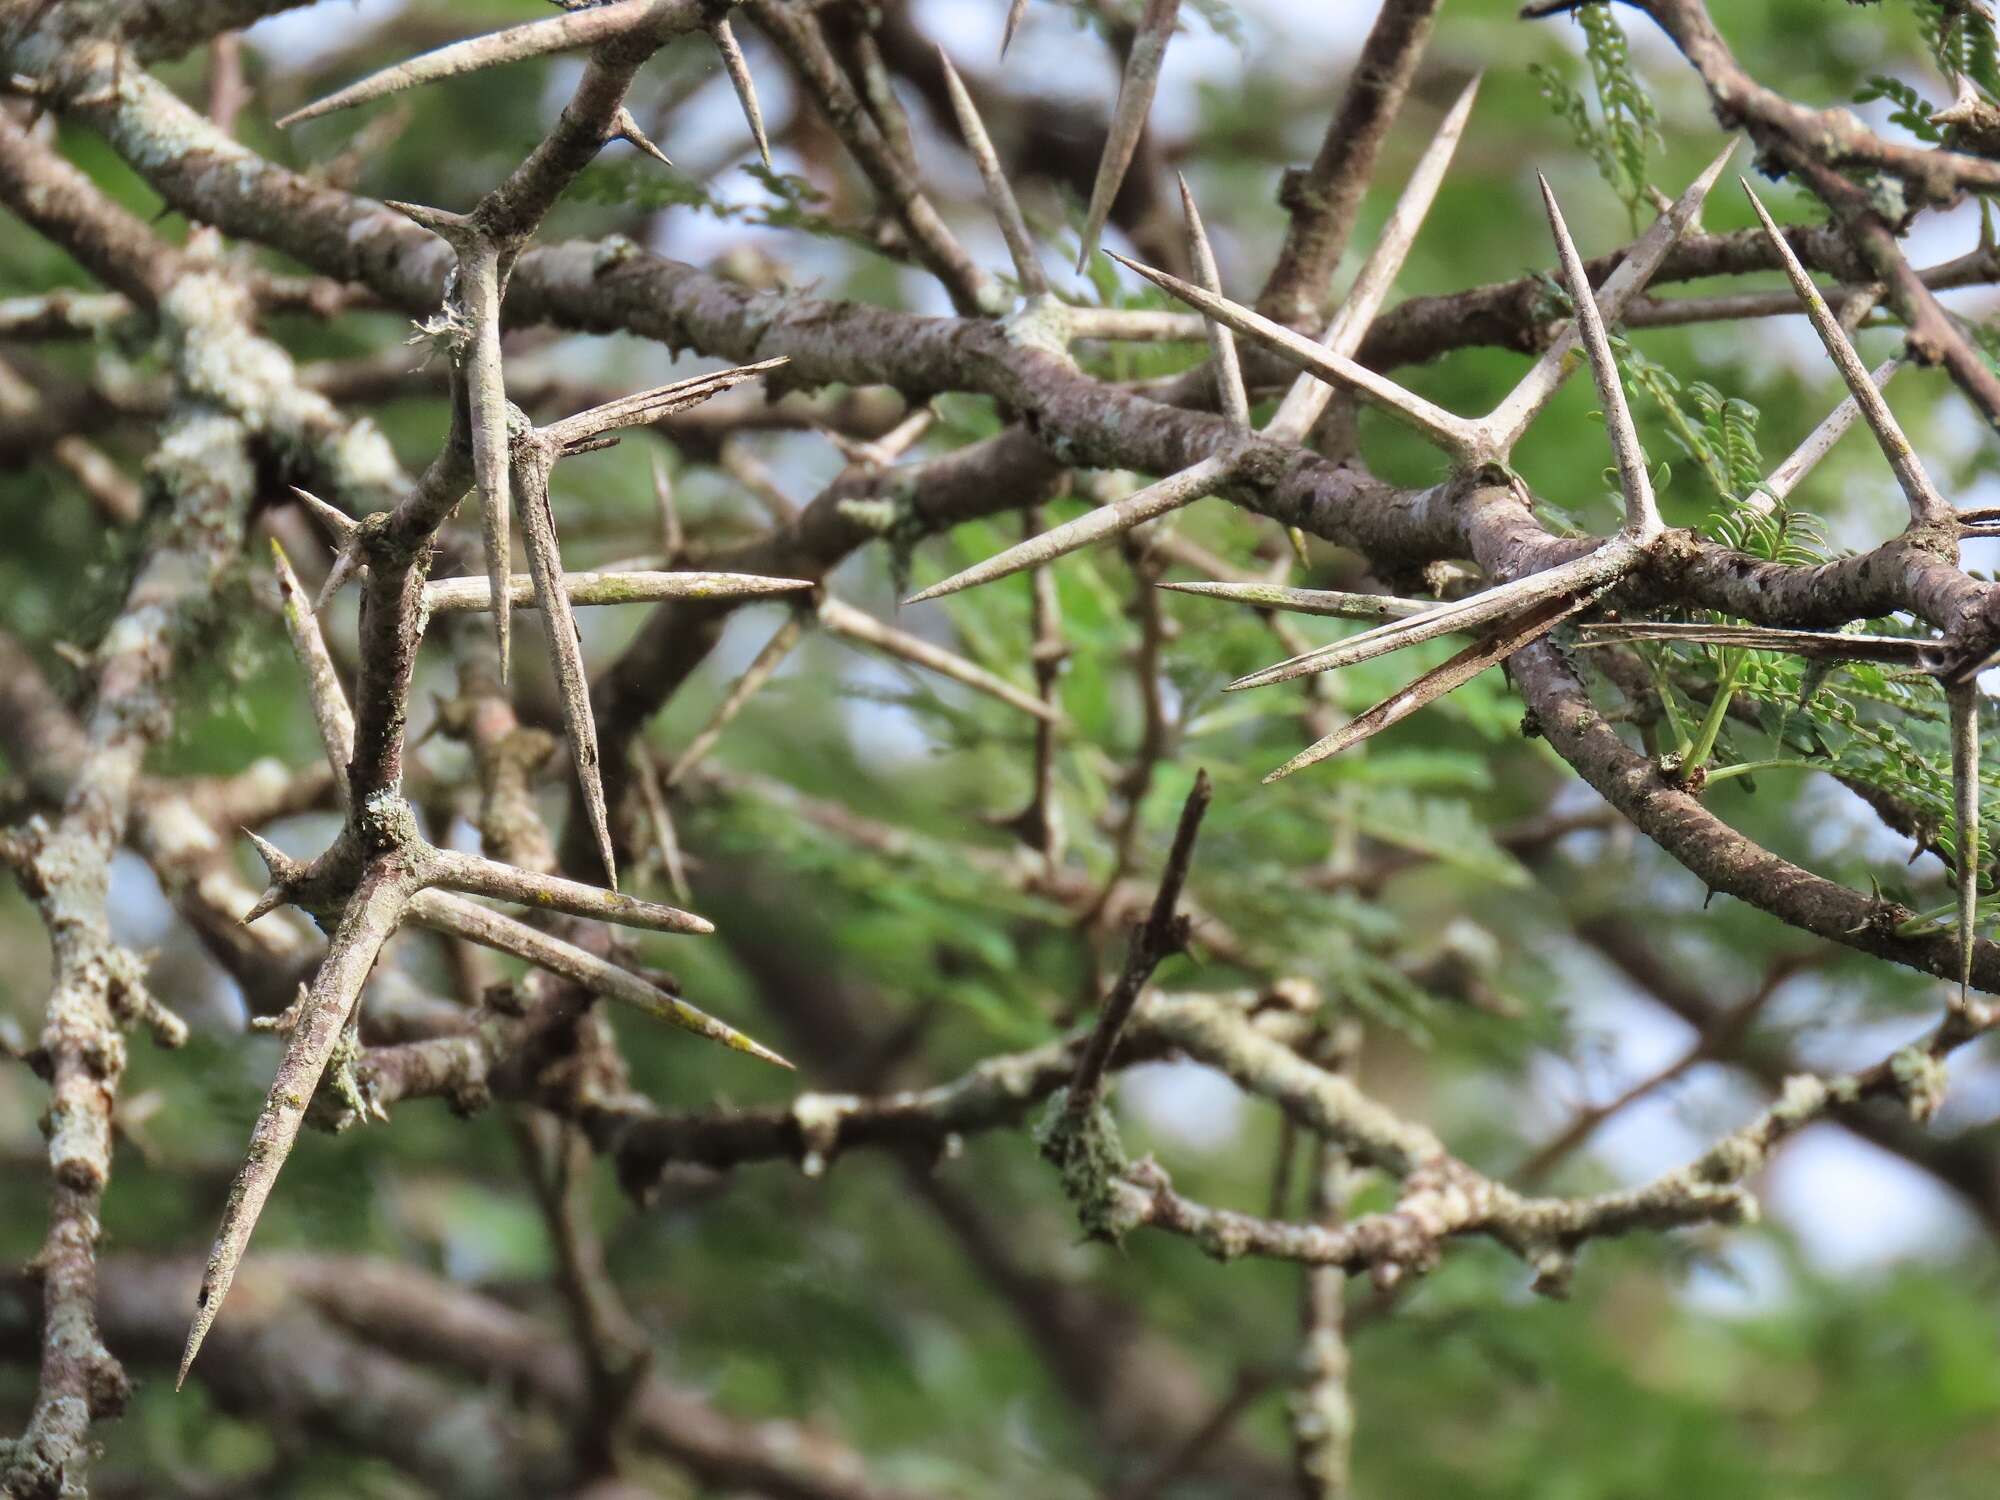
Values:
[(478, 296), (1308, 397), (1157, 499), (999, 192), (586, 427), (1818, 443), (370, 917), (477, 876), (1606, 564), (1964, 700), (846, 621), (1822, 645), (1501, 429), (734, 64), (1230, 393), (331, 713), (539, 540), (458, 595), (741, 691), (1329, 603), (1521, 630), (1456, 435), (1128, 119), (1927, 506), (442, 911), (563, 33), (1642, 512)]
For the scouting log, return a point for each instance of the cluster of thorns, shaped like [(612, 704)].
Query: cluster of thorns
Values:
[(380, 873)]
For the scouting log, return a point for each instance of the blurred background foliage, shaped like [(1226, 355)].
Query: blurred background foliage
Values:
[(1846, 1346)]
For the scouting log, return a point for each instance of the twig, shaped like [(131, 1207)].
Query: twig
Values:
[(1160, 936)]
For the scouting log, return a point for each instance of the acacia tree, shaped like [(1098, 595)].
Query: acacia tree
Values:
[(1123, 480)]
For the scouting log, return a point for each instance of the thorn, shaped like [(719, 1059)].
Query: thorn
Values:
[(1016, 9), (1522, 630), (1642, 512), (1963, 697), (572, 433), (999, 192), (1818, 443), (331, 715), (846, 621), (441, 222), (1156, 499), (576, 28), (1326, 602), (766, 662), (478, 876), (478, 924), (538, 537), (492, 447), (625, 128), (1231, 396), (338, 522), (1926, 504), (1307, 399), (365, 924), (1454, 434), (264, 905), (280, 866), (1823, 645), (738, 68), (1503, 426), (466, 595), (1608, 563), (1128, 119), (345, 565)]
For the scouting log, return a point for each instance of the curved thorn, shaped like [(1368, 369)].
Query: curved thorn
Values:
[(1128, 118), (738, 69), (1926, 504), (999, 192), (1156, 499), (1642, 512)]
